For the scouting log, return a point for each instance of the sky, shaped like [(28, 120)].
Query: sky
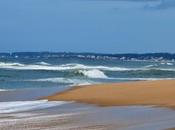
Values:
[(103, 26)]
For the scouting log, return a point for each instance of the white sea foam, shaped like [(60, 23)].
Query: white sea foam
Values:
[(79, 82), (162, 63), (62, 67), (43, 63), (74, 66), (149, 66), (3, 64), (169, 63), (71, 81), (95, 73), (3, 90), (18, 106)]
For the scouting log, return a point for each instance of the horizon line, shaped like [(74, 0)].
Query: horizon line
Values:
[(88, 52)]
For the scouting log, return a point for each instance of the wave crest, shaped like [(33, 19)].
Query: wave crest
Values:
[(75, 66), (43, 63), (3, 64), (95, 73), (63, 67)]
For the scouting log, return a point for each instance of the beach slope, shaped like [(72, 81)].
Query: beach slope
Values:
[(158, 93)]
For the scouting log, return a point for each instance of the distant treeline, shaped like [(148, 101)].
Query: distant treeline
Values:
[(129, 56)]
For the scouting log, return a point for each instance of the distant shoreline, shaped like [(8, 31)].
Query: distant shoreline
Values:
[(157, 93), (116, 56)]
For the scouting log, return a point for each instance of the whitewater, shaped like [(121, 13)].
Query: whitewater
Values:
[(23, 73), (24, 81)]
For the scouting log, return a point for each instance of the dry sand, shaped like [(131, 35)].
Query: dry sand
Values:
[(159, 93)]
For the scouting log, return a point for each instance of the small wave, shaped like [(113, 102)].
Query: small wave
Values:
[(169, 63), (70, 81), (74, 66), (63, 67), (3, 64), (95, 73), (3, 90), (164, 69), (79, 82), (43, 63), (19, 106), (149, 66)]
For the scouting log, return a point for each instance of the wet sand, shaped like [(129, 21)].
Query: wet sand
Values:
[(158, 93), (85, 117), (124, 113)]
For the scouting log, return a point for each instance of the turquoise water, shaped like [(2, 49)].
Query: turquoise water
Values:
[(19, 73)]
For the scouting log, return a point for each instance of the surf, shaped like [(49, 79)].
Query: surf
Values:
[(76, 66), (20, 106)]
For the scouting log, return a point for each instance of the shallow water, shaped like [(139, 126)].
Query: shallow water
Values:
[(76, 116), (28, 94)]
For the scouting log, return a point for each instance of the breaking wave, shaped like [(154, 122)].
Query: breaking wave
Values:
[(74, 66), (95, 73)]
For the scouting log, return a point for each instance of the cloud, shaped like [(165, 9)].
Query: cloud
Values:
[(162, 5), (149, 4)]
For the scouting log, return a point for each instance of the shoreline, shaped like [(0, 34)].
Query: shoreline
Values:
[(88, 117), (85, 116), (159, 93)]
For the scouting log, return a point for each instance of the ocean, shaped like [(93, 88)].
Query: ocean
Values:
[(27, 77), (36, 71)]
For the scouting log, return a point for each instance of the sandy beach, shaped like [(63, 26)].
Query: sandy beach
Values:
[(130, 107), (158, 93)]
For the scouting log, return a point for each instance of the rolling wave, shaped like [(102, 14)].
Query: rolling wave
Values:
[(73, 82), (95, 73), (75, 66)]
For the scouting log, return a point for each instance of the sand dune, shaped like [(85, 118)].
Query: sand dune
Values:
[(159, 93)]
